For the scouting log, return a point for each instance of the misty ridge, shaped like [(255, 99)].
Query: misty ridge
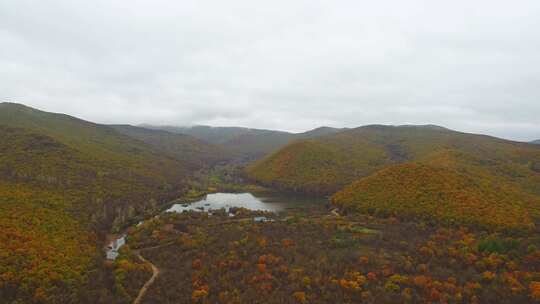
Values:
[(278, 66), (279, 152)]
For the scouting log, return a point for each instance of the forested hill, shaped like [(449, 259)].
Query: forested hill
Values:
[(215, 135), (63, 183), (178, 145), (325, 164), (499, 174), (113, 162), (246, 143)]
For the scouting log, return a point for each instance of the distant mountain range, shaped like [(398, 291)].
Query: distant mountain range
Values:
[(178, 145), (248, 143), (536, 142)]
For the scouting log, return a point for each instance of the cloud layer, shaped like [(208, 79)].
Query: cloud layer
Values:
[(288, 65)]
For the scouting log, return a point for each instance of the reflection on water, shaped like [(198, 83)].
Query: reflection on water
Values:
[(215, 201), (245, 200)]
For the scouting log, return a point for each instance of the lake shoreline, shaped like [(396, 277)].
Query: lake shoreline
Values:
[(264, 200)]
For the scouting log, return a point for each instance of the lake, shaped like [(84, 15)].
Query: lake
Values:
[(265, 202), (273, 202)]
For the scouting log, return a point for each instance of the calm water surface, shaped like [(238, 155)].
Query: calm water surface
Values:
[(266, 202), (273, 202), (114, 247)]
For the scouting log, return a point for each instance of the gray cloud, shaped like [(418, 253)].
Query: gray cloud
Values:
[(288, 65)]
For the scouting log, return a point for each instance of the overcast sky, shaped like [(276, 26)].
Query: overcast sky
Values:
[(288, 65)]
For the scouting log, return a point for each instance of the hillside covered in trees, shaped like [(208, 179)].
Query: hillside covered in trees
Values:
[(247, 143), (408, 170), (178, 145), (444, 194), (423, 214), (315, 257), (64, 183)]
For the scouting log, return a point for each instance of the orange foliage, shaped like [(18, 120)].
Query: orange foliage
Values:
[(300, 296), (418, 190), (261, 268), (372, 276), (488, 276), (196, 264), (199, 294), (286, 243), (534, 288)]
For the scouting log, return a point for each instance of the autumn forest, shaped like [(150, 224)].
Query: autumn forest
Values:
[(393, 214)]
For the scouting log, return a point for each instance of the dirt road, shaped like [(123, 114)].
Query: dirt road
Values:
[(155, 274)]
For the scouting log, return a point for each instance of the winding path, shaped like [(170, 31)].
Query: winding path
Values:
[(155, 270), (155, 274)]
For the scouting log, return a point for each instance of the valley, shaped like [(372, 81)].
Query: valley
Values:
[(269, 152), (374, 214), (312, 256)]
